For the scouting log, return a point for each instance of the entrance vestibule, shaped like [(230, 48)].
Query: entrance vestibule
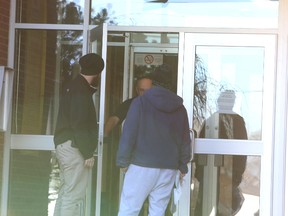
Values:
[(204, 65)]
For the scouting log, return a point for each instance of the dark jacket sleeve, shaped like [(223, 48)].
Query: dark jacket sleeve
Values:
[(122, 110), (129, 135), (84, 124), (185, 146)]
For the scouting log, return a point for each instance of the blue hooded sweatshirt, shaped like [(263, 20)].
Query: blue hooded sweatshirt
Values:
[(156, 132)]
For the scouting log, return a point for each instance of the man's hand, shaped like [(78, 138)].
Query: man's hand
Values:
[(124, 169), (89, 162), (182, 175)]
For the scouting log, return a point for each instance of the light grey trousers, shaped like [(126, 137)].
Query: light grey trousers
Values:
[(74, 180), (142, 182)]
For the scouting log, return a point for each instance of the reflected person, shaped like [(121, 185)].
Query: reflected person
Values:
[(224, 124)]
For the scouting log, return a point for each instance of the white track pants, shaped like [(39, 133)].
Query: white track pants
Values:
[(142, 182)]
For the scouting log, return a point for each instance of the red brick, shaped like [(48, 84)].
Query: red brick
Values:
[(4, 34)]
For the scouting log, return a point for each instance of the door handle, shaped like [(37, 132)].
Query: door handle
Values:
[(192, 143)]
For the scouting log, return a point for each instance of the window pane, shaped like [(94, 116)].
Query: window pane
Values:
[(44, 60), (144, 37), (50, 11), (163, 38), (29, 183), (229, 92), (226, 184), (187, 13)]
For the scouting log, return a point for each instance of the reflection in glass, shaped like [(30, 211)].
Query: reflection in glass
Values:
[(220, 70), (52, 12), (29, 183), (181, 13), (54, 183), (144, 37), (186, 13), (225, 123), (44, 61), (163, 38), (228, 94), (225, 185)]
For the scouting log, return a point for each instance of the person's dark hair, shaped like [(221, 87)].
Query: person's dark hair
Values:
[(143, 76)]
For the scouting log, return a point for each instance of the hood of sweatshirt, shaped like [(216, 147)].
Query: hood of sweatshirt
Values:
[(163, 99)]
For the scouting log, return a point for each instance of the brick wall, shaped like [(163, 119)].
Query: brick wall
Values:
[(4, 32)]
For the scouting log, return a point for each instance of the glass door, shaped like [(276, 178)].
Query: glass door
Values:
[(228, 83), (130, 56), (42, 68), (98, 44)]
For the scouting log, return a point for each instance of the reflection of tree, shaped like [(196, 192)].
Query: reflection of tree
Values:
[(104, 16), (200, 89), (201, 104), (69, 57), (69, 13), (70, 41)]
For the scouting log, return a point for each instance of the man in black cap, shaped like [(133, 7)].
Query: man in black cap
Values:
[(76, 136)]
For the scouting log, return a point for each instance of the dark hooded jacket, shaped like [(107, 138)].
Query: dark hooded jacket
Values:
[(156, 132)]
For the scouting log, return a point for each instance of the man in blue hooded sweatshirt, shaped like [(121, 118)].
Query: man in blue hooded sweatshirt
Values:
[(154, 146)]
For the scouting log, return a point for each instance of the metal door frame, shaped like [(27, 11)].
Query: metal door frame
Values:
[(14, 141), (264, 147)]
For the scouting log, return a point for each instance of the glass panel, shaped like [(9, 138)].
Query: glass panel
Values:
[(29, 183), (186, 13), (162, 38), (225, 185), (111, 179), (228, 92), (142, 37), (44, 61), (50, 11), (114, 96), (116, 36), (34, 183), (97, 44)]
